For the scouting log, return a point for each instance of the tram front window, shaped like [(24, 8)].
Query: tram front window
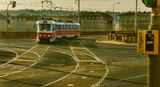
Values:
[(45, 27)]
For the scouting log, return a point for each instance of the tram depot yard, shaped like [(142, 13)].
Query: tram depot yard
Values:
[(79, 62)]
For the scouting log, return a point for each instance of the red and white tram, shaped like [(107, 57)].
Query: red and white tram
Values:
[(46, 31), (49, 30), (67, 29)]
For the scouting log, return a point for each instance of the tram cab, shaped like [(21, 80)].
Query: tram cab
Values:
[(46, 31)]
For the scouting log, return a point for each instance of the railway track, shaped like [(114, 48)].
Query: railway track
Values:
[(39, 50), (7, 68), (5, 58), (28, 59), (69, 65), (90, 71)]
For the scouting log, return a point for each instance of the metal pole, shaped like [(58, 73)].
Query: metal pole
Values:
[(8, 16), (114, 6), (79, 11), (135, 19), (51, 5), (42, 7), (114, 20), (154, 60)]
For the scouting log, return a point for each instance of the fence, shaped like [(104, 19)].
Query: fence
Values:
[(127, 37)]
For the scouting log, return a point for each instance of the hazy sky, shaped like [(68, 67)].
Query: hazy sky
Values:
[(93, 5)]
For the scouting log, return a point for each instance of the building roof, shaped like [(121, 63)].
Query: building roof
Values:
[(95, 14), (133, 13)]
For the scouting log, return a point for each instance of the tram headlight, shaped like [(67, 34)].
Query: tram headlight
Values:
[(49, 35), (40, 35)]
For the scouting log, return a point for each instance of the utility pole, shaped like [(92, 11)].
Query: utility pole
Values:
[(47, 4), (114, 16), (135, 19), (154, 60), (79, 11)]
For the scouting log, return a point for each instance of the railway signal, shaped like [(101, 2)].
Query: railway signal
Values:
[(152, 43), (13, 4), (147, 42)]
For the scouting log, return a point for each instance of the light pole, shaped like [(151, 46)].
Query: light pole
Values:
[(135, 19), (114, 16), (78, 7), (47, 2), (115, 5), (13, 3), (79, 11)]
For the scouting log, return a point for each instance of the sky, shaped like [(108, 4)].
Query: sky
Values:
[(89, 5)]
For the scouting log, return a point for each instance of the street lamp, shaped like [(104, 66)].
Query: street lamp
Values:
[(78, 7), (79, 11), (48, 2), (13, 3), (115, 5), (114, 16), (135, 19)]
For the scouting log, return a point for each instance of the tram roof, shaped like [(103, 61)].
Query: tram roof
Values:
[(45, 22), (67, 23)]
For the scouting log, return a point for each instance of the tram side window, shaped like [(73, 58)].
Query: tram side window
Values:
[(63, 26), (58, 26), (71, 27), (68, 27), (54, 27), (45, 27), (77, 26), (74, 26)]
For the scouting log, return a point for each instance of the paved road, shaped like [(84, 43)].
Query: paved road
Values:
[(70, 63), (127, 68), (61, 64)]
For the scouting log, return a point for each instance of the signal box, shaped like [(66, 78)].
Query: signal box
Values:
[(148, 41)]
